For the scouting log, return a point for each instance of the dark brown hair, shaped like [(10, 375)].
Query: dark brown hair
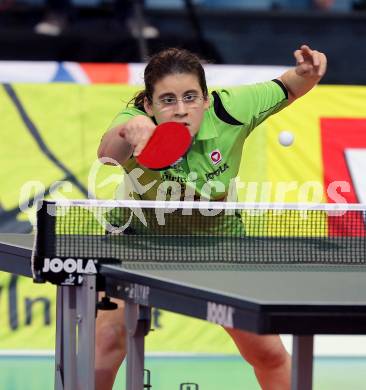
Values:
[(167, 62)]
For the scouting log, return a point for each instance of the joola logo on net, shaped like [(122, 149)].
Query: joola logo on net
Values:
[(69, 265)]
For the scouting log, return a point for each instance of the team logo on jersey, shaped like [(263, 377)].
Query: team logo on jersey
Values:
[(215, 156)]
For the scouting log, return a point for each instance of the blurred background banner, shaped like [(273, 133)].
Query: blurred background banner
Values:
[(50, 133), (120, 73)]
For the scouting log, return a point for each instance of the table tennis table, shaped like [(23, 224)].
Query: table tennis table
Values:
[(301, 300)]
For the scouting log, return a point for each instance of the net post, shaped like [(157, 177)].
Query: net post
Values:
[(45, 238), (46, 228)]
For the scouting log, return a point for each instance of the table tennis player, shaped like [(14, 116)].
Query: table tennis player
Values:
[(219, 123)]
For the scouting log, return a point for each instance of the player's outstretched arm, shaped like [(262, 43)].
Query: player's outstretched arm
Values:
[(123, 140), (311, 66)]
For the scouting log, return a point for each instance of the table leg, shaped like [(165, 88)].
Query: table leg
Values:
[(59, 383), (86, 313), (75, 336), (138, 326), (65, 376), (302, 363)]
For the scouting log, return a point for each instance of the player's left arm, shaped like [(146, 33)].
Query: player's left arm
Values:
[(311, 66)]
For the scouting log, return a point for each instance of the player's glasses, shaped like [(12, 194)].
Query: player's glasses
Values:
[(171, 102)]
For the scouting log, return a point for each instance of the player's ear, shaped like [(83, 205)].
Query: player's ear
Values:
[(206, 102), (148, 107)]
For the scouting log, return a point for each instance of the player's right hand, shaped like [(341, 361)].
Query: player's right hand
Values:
[(137, 132)]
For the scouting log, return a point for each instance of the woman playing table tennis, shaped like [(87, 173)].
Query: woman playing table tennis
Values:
[(219, 122)]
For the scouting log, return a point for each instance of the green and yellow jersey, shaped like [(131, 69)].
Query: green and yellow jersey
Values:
[(207, 170)]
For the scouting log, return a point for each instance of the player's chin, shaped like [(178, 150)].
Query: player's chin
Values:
[(193, 129)]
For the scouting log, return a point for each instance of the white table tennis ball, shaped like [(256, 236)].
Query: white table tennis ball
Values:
[(286, 138)]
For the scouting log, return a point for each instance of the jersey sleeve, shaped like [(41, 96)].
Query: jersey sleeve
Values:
[(125, 115), (252, 104)]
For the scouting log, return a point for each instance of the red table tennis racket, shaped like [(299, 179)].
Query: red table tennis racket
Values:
[(169, 142)]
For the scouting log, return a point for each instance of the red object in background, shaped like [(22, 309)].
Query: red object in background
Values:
[(337, 135), (106, 73)]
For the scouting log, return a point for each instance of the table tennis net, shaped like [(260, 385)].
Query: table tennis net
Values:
[(202, 232)]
